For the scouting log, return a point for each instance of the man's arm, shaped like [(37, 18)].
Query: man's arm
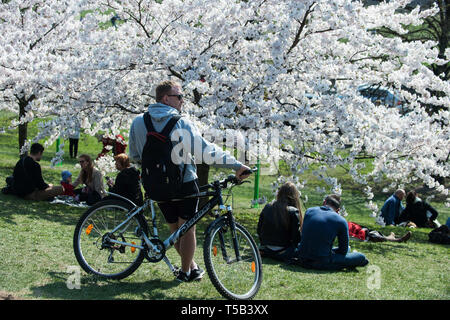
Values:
[(342, 238), (135, 154), (193, 143), (36, 173), (433, 211), (390, 212)]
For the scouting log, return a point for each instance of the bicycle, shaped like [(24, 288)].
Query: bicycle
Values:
[(113, 248)]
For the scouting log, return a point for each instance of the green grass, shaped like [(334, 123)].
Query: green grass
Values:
[(36, 250)]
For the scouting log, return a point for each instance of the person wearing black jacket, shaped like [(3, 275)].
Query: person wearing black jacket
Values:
[(279, 225), (127, 182), (418, 211), (28, 182)]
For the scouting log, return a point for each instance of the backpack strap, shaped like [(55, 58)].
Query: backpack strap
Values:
[(169, 126), (148, 122), (166, 130)]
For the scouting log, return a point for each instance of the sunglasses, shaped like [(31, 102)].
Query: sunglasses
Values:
[(179, 96), (82, 161)]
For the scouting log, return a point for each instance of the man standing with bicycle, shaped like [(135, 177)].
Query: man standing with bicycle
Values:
[(169, 100)]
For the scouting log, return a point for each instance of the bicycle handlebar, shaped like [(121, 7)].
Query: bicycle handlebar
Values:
[(230, 179)]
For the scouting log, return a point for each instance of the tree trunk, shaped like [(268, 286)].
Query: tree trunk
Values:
[(23, 127)]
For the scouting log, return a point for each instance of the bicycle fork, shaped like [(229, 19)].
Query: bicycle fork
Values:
[(232, 226)]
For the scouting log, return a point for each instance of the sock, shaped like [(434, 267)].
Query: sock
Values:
[(188, 273)]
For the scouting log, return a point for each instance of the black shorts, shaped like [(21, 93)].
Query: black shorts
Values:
[(184, 209)]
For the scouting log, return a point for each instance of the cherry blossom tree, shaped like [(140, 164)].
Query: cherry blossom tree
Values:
[(288, 66), (35, 37)]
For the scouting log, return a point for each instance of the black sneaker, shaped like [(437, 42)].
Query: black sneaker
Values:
[(196, 274), (183, 277)]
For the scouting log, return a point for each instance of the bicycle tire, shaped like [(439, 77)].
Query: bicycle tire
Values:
[(239, 280), (88, 252)]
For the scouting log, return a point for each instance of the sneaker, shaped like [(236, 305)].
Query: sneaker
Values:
[(406, 237), (183, 277), (196, 274)]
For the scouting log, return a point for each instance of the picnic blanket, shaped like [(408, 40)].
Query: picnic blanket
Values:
[(70, 201)]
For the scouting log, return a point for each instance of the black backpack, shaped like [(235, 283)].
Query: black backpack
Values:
[(161, 178), (9, 189), (440, 235)]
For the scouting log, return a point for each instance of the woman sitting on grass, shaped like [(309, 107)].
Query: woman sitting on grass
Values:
[(92, 178), (280, 223), (127, 182), (421, 213)]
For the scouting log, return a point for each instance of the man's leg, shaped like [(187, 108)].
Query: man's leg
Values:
[(187, 246), (50, 192), (75, 147), (71, 147), (174, 227), (350, 260)]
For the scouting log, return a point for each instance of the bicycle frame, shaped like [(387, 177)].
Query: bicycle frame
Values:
[(174, 237)]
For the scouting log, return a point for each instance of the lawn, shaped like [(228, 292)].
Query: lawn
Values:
[(36, 250)]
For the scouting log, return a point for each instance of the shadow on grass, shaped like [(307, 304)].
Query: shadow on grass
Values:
[(297, 268), (93, 288), (12, 206)]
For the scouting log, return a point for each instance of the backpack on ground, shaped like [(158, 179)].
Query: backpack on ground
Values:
[(440, 235), (9, 186), (161, 178)]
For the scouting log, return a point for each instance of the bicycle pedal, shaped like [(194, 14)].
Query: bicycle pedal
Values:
[(176, 271)]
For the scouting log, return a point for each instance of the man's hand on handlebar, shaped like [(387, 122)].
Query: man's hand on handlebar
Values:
[(243, 173)]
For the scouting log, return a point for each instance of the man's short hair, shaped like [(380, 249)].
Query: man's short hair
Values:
[(333, 200), (36, 148), (164, 88)]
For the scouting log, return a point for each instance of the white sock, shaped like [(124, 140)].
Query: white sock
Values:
[(188, 273)]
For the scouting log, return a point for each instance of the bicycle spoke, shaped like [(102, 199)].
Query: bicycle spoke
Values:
[(236, 279), (108, 259)]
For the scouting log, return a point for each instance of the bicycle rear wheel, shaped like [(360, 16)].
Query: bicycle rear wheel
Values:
[(234, 279), (102, 257)]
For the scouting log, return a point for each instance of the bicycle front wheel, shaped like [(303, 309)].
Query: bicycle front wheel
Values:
[(94, 250), (236, 278)]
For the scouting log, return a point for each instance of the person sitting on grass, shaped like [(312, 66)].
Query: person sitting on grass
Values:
[(421, 213), (66, 180), (393, 207), (27, 178), (321, 226), (280, 223), (92, 178), (127, 182)]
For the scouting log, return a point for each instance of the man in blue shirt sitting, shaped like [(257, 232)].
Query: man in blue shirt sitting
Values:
[(393, 207), (321, 226)]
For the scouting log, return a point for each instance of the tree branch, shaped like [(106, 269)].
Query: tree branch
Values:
[(301, 27), (54, 25)]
